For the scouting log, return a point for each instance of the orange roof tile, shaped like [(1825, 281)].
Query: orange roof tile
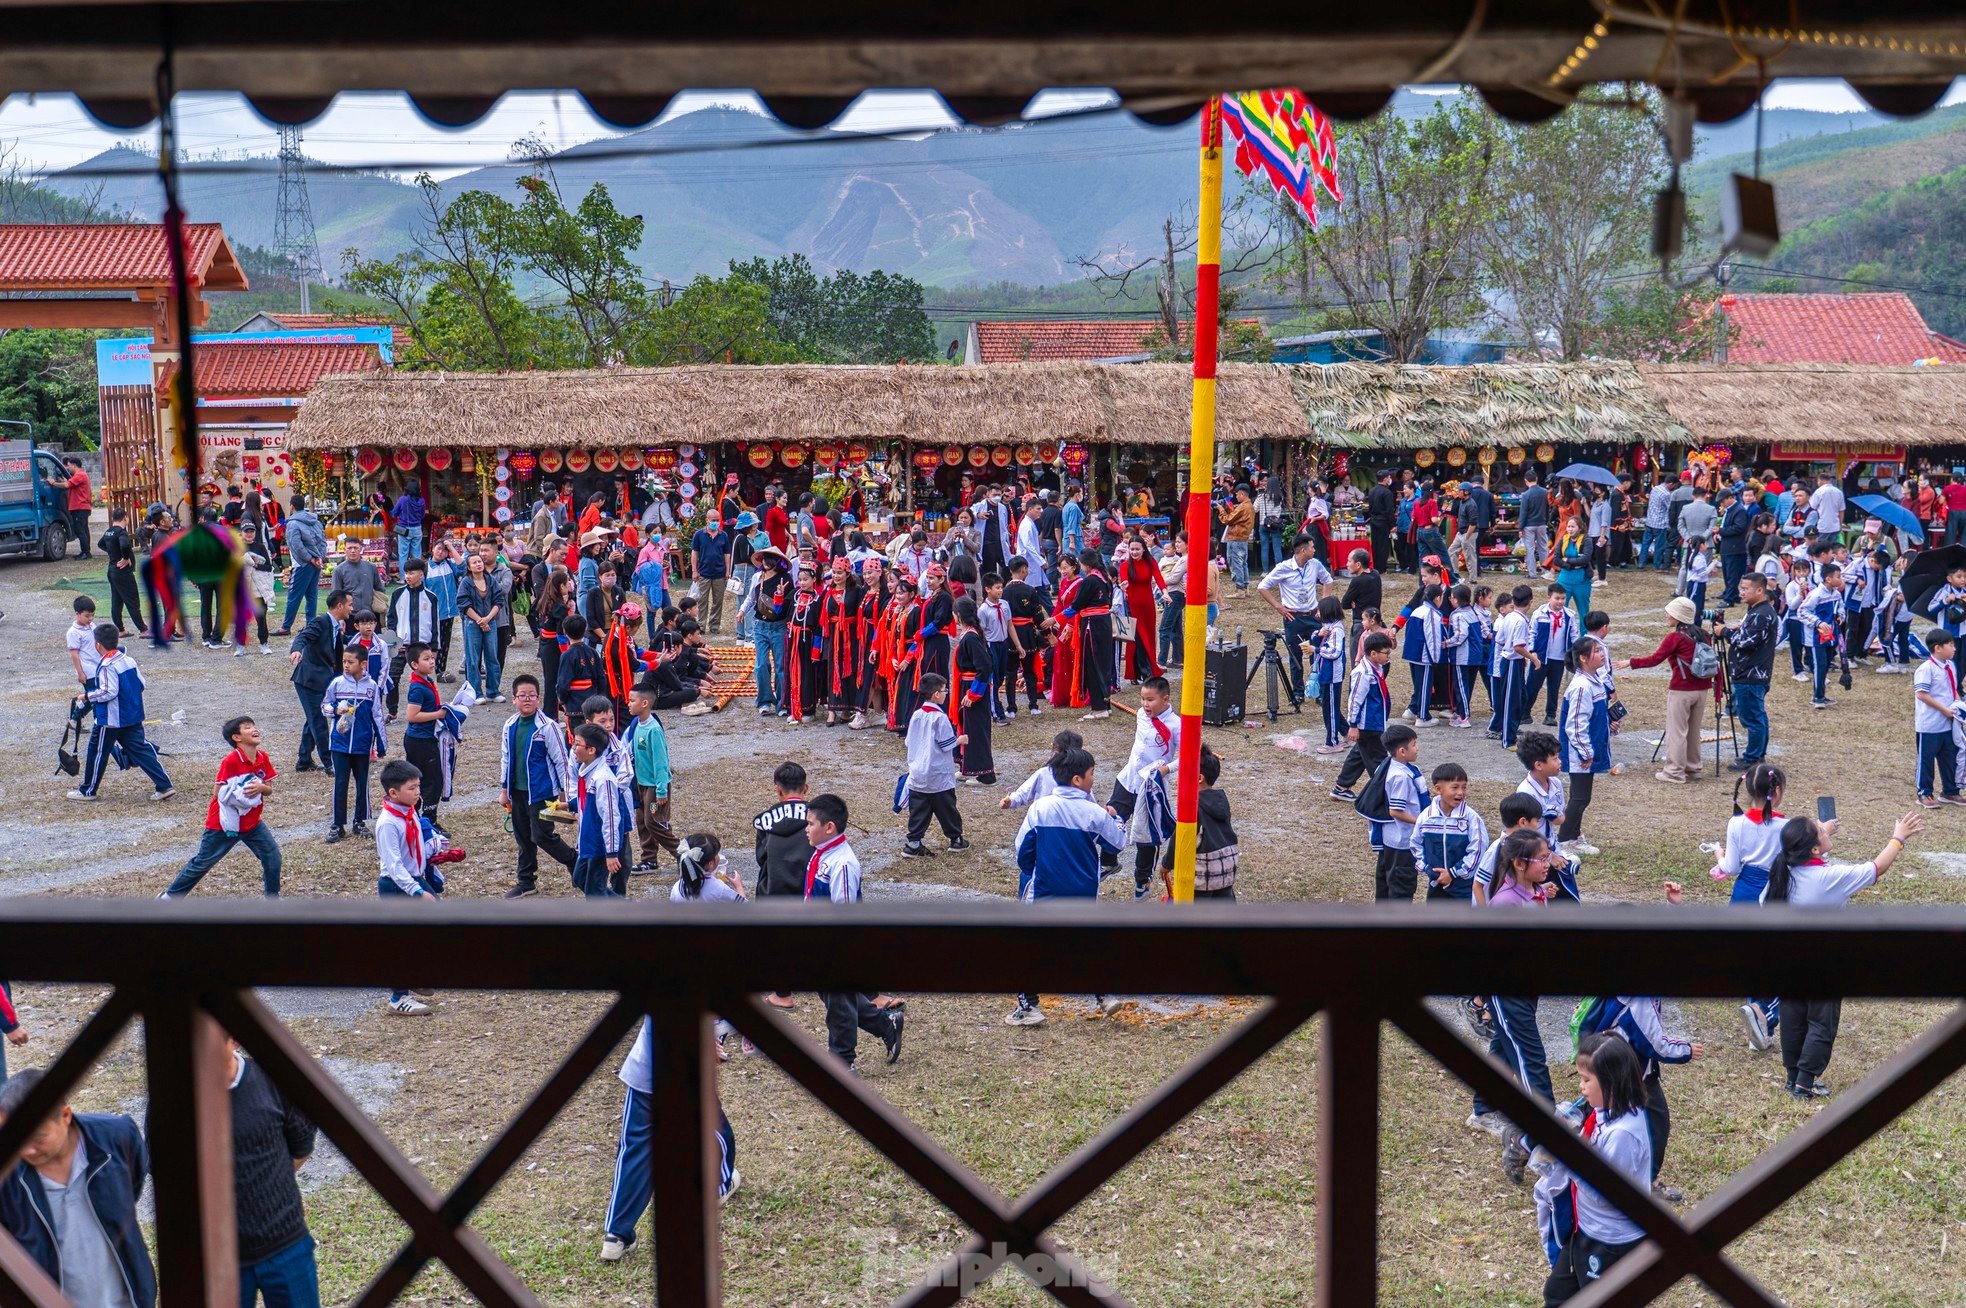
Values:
[(240, 370), (1884, 327), (111, 257), (1037, 342)]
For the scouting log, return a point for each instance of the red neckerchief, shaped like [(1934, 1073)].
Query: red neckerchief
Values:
[(1161, 730), (812, 865), (1385, 693), (1759, 815), (1952, 675), (418, 679), (412, 834)]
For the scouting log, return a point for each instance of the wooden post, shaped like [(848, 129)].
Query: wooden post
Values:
[(688, 1272), (1348, 1160), (189, 1077)]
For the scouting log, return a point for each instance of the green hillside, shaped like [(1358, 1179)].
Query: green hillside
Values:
[(1821, 176), (1909, 236)]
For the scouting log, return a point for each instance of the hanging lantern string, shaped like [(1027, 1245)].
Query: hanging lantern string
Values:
[(205, 553)]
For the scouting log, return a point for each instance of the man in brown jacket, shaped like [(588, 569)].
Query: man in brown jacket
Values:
[(1238, 525)]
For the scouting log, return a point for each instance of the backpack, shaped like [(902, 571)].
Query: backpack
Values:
[(1705, 662), (1371, 802), (1592, 1015)]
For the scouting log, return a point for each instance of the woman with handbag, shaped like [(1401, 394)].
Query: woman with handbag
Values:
[(1139, 577)]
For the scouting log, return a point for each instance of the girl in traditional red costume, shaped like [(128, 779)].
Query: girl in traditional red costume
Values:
[(845, 641), (1138, 574)]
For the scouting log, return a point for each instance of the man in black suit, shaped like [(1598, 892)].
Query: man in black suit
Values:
[(1381, 512), (316, 659)]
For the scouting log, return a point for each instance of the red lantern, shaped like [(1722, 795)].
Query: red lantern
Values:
[(1641, 457), (1000, 456), (978, 457), (438, 459), (631, 460), (759, 455), (606, 460), (550, 461), (405, 460), (579, 460), (1341, 463), (928, 460), (369, 461), (524, 463), (792, 456), (666, 460)]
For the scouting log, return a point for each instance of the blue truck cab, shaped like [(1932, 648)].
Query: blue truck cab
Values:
[(33, 514)]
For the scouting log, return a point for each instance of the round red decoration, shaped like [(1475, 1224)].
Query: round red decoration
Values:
[(405, 460), (606, 460), (858, 452), (826, 455), (631, 460), (978, 457), (438, 459), (368, 461), (579, 460), (1047, 451), (550, 461), (1026, 456), (952, 455), (1000, 456), (792, 456), (759, 455)]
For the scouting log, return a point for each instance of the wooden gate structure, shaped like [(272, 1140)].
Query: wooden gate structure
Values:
[(188, 971)]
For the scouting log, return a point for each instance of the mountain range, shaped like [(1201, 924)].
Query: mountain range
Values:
[(1020, 204)]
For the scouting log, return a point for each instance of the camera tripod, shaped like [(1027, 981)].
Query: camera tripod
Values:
[(1270, 663)]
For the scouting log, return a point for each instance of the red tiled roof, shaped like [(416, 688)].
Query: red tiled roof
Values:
[(1885, 327), (399, 339), (1037, 342), (228, 368), (110, 256)]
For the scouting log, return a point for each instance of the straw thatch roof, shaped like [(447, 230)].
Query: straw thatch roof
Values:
[(1819, 403), (1356, 404)]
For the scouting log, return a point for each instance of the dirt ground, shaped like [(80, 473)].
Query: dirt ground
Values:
[(1220, 1211)]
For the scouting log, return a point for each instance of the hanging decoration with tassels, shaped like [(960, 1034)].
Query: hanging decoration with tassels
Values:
[(204, 553)]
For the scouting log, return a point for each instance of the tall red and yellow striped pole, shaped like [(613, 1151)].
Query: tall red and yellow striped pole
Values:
[(1201, 474)]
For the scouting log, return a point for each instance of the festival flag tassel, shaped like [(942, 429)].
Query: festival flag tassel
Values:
[(1283, 138)]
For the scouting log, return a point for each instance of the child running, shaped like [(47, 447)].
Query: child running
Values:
[(233, 818), (1064, 839)]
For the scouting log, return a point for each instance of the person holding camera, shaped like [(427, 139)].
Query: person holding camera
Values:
[(1751, 646), (1690, 654)]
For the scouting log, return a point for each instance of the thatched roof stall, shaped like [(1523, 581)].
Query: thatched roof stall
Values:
[(1840, 407), (1354, 404)]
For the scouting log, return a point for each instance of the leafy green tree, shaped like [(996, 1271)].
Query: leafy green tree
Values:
[(714, 320), (1652, 321), (1403, 255), (848, 317), (48, 378)]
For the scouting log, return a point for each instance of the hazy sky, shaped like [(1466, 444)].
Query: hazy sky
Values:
[(52, 131)]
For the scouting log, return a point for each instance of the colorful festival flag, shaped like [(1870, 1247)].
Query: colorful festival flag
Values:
[(1281, 135)]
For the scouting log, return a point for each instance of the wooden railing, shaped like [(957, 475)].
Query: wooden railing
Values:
[(188, 970)]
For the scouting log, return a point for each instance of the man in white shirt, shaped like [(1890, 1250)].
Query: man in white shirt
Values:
[(1031, 545), (1826, 508), (1293, 589)]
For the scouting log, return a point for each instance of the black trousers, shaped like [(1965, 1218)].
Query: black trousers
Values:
[(1395, 876), (78, 527), (1577, 798), (124, 597), (1809, 1037), (1097, 670), (1368, 752), (532, 835), (1859, 637), (1582, 1261), (937, 804), (422, 751), (397, 662), (1034, 689), (313, 729), (208, 619), (847, 1015), (1123, 802), (549, 676), (1549, 680), (1382, 547), (445, 627), (1658, 1120)]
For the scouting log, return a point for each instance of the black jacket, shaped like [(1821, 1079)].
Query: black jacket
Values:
[(117, 1165), (319, 646), (1381, 506), (782, 849), (1734, 530), (117, 548), (1751, 653)]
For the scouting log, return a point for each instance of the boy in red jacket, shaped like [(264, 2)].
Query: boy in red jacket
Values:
[(245, 778)]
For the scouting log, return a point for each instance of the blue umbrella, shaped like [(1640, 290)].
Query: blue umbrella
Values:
[(1588, 472), (1886, 509)]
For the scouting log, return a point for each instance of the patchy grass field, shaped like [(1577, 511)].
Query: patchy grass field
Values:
[(1221, 1211)]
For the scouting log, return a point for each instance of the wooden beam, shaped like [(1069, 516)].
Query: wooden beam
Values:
[(77, 313), (190, 1139)]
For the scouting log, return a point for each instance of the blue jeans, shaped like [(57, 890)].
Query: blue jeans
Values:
[(745, 619), (769, 665), (287, 1279), (1269, 547), (634, 1179), (481, 659), (1751, 707), (305, 585), (1238, 551), (1820, 658), (216, 845), (1653, 551), (409, 545)]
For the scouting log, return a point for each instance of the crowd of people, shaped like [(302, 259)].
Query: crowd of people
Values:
[(1029, 604)]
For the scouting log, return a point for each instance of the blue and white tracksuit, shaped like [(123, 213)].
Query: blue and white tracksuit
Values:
[(1420, 646), (1468, 639), (1454, 841), (1060, 843), (1748, 852), (1368, 701), (1942, 599), (1699, 571), (634, 1155), (118, 697), (1511, 674), (1823, 608), (1639, 1020), (1330, 679), (1584, 735), (1551, 637)]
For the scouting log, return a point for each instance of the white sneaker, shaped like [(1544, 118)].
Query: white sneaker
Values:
[(736, 1179), (82, 795), (1410, 716), (165, 793), (1576, 847), (1759, 1037), (1800, 676), (766, 710), (1022, 1016), (614, 1248), (1110, 1004), (409, 1007), (238, 651), (1493, 1123), (1424, 722), (266, 649), (1097, 716)]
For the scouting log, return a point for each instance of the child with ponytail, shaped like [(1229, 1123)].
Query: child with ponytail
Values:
[(1583, 738), (1803, 875), (1749, 849), (1609, 1075), (701, 873), (1041, 783)]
